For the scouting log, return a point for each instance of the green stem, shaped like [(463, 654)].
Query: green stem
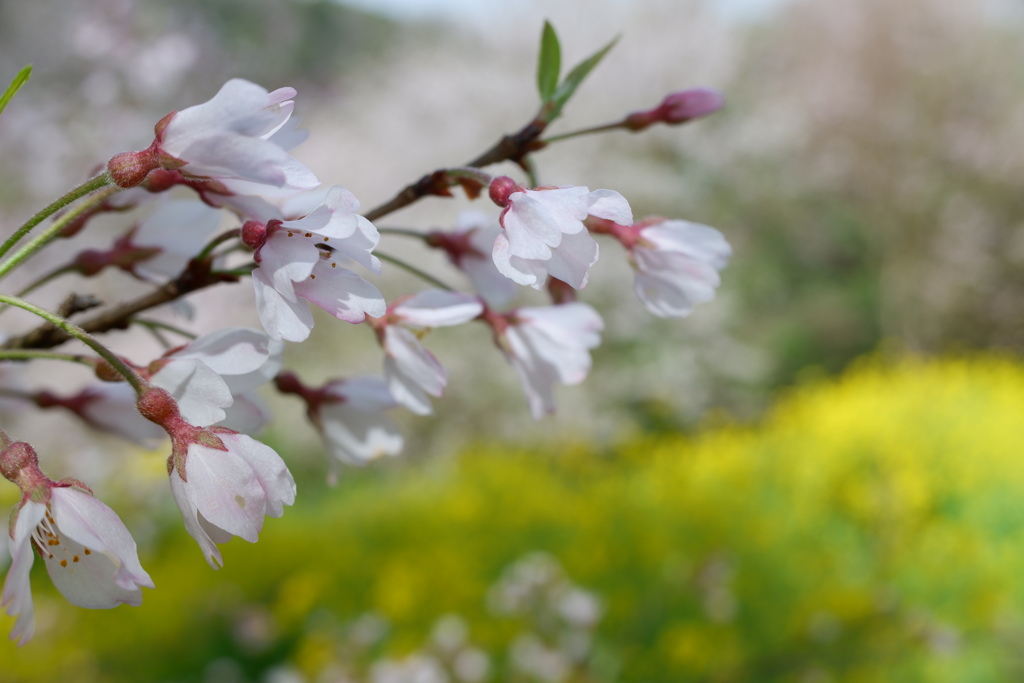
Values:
[(216, 242), (414, 270), (52, 232), (94, 183), (160, 325), (402, 231), (77, 332), (28, 354), (583, 131)]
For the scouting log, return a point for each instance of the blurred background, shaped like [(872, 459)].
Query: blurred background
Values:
[(814, 478)]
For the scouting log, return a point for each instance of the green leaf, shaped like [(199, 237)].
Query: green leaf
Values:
[(549, 63), (16, 84), (572, 81)]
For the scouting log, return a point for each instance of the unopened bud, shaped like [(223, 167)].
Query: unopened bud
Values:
[(501, 189), (254, 234), (18, 460), (678, 107), (129, 169), (157, 405)]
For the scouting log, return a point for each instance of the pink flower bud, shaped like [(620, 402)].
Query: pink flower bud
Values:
[(129, 169), (501, 189), (678, 107), (16, 460)]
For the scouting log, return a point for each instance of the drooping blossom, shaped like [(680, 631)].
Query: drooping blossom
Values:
[(543, 231), (160, 247), (215, 372), (350, 416), (303, 261), (89, 554), (676, 262), (224, 482), (227, 142), (469, 249), (107, 407), (545, 345), (412, 372)]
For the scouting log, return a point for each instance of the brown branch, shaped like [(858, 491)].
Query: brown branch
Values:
[(513, 147), (197, 275)]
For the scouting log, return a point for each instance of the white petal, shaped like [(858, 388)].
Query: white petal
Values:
[(342, 293), (281, 318), (610, 205), (17, 592), (200, 392), (438, 308), (225, 490), (271, 472)]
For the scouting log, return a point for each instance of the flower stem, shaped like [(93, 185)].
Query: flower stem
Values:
[(94, 183), (414, 270), (77, 332), (30, 354), (406, 232), (583, 131), (53, 231)]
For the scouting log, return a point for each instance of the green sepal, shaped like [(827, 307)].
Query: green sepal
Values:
[(553, 106), (19, 80), (549, 62)]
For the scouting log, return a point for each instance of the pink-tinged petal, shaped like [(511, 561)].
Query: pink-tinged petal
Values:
[(200, 392), (112, 409), (535, 377), (366, 394), (239, 106), (225, 491), (271, 472), (698, 241), (230, 350), (520, 271), (550, 344), (572, 260), (287, 258), (17, 593), (281, 317), (412, 372), (196, 526), (342, 293), (248, 414), (87, 521), (438, 308), (179, 228), (356, 436), (611, 205), (537, 220)]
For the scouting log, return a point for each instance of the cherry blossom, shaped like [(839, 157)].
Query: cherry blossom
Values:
[(469, 249), (216, 371), (89, 554), (543, 231), (545, 345), (107, 407), (412, 372), (301, 261), (676, 262), (349, 415), (225, 485), (178, 229), (227, 139), (223, 482)]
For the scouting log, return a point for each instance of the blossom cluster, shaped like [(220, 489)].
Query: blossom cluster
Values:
[(258, 212)]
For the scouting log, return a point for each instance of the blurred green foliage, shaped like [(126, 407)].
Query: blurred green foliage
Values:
[(869, 529)]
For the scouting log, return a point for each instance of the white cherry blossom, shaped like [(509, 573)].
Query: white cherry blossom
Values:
[(548, 344), (677, 264), (89, 554), (217, 370), (412, 372), (469, 248), (302, 261), (228, 139), (352, 423), (225, 493), (544, 232)]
